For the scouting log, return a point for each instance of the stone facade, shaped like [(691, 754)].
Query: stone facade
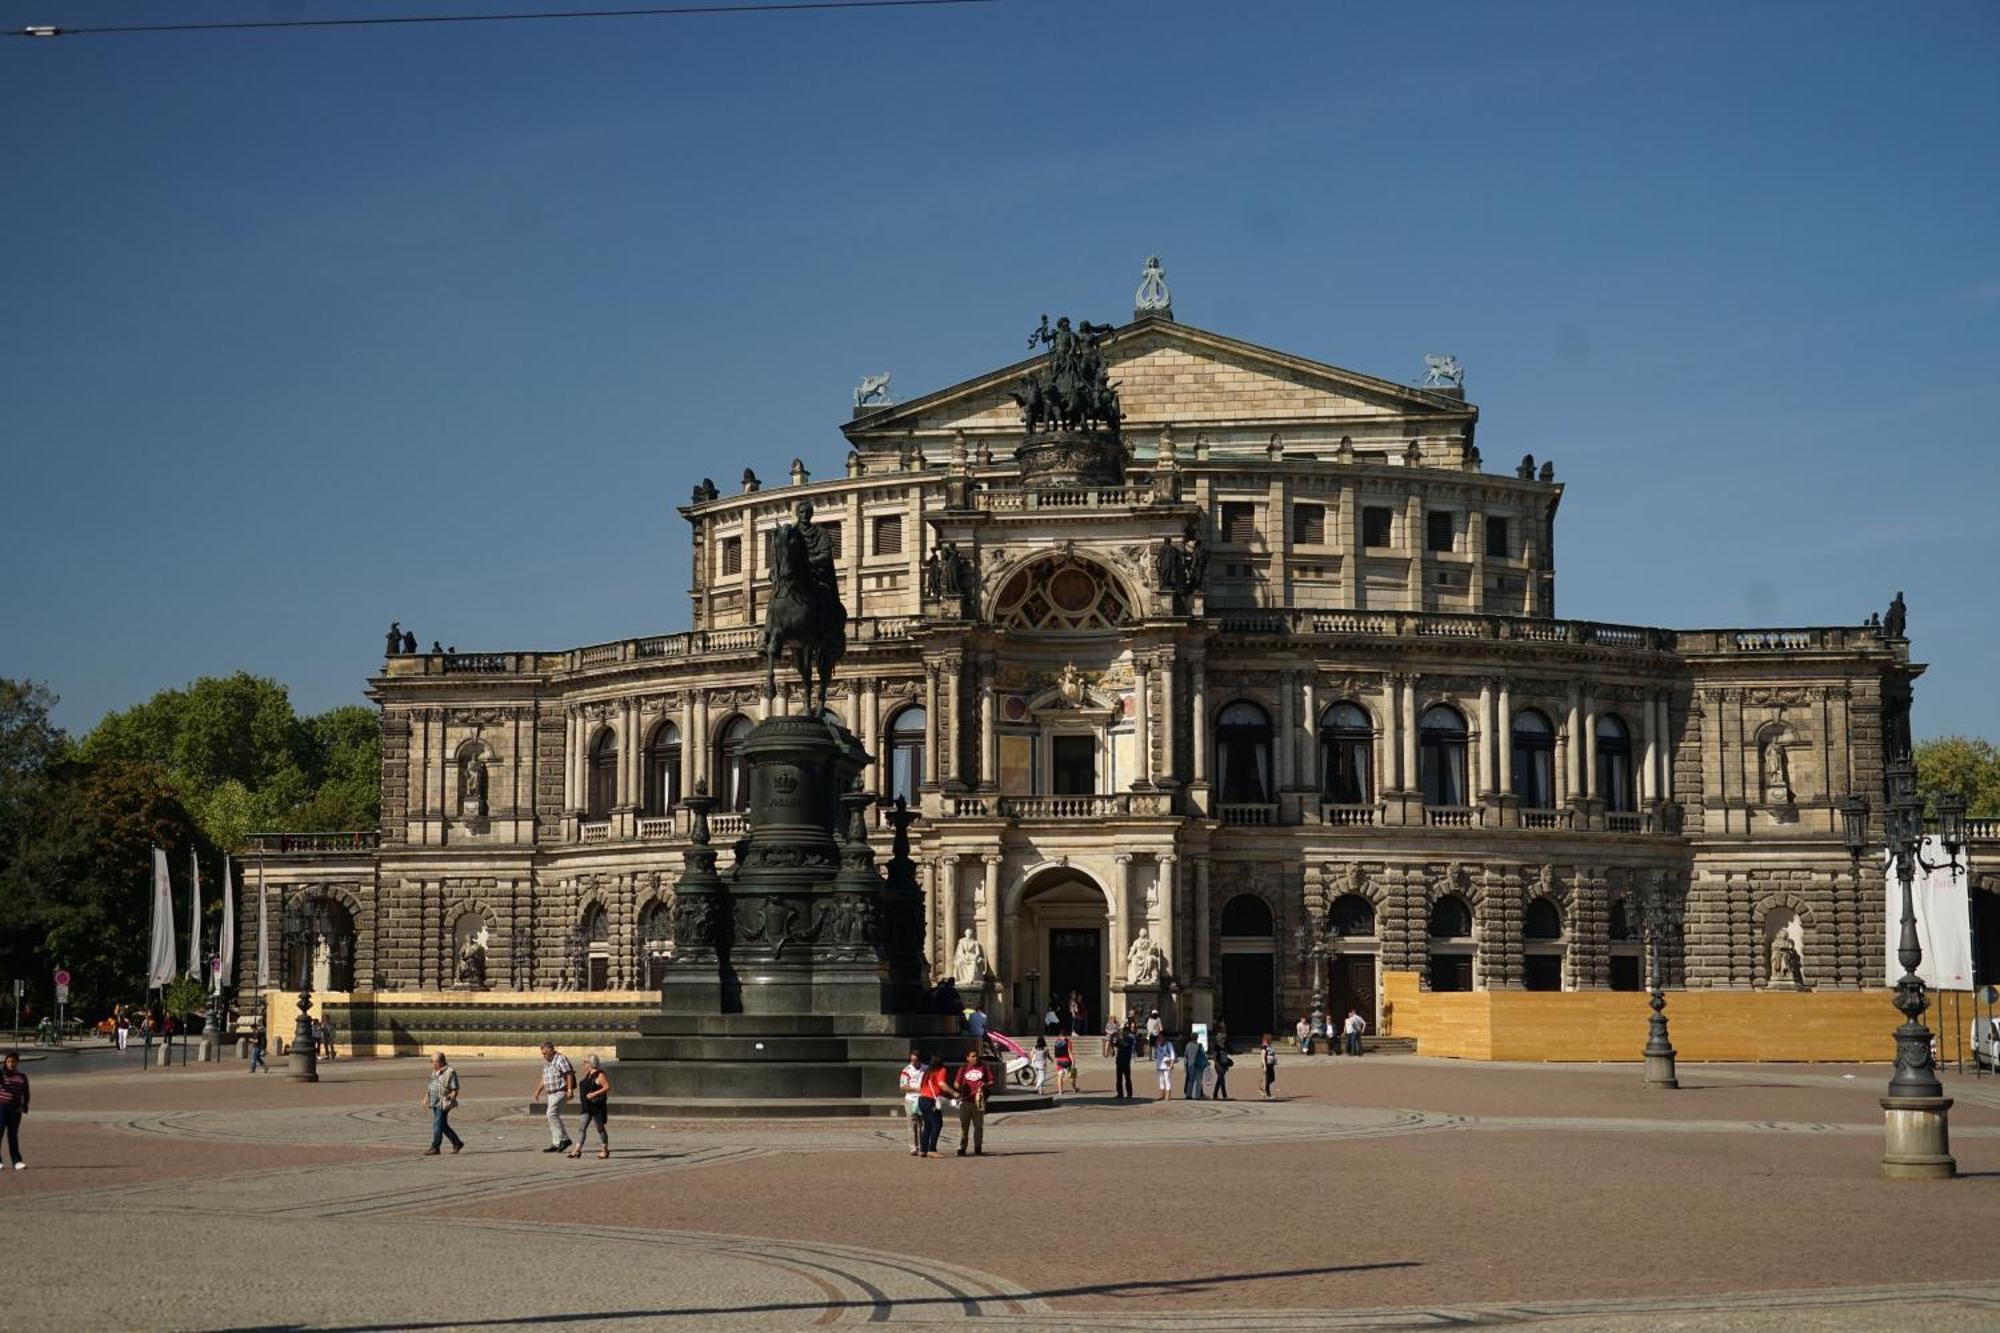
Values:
[(1197, 704)]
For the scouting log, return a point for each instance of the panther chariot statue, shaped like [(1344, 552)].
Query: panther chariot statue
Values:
[(1070, 409)]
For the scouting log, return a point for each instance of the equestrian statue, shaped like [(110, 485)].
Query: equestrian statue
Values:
[(805, 614)]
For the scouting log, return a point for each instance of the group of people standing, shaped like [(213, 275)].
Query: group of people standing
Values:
[(1342, 1036), (929, 1083)]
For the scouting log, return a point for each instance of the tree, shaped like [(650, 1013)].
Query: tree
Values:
[(30, 744), (1962, 764)]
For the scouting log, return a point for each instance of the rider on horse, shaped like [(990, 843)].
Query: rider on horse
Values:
[(805, 612)]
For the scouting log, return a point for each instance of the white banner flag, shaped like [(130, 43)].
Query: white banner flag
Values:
[(263, 934), (194, 915), (1944, 920), (161, 969), (225, 948)]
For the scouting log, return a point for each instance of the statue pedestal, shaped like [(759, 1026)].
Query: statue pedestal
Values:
[(1917, 1138), (1064, 458)]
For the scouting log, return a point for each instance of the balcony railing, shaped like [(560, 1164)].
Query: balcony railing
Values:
[(1455, 816), (360, 840), (596, 831), (1625, 821), (1349, 816), (658, 828), (1983, 830), (1244, 814), (729, 826), (1470, 625), (1099, 805), (1030, 500), (1547, 819)]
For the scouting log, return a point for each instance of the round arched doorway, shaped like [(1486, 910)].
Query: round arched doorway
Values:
[(1062, 947)]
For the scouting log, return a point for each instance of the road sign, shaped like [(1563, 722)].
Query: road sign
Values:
[(20, 988), (62, 976), (62, 994)]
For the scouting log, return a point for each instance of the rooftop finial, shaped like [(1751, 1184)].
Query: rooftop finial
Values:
[(1442, 372), (1153, 297)]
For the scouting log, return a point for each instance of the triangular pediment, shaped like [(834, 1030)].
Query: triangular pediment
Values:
[(1175, 374)]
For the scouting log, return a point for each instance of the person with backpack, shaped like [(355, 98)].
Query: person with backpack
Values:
[(1065, 1066), (1270, 1066), (1197, 1070), (1222, 1063), (1124, 1044)]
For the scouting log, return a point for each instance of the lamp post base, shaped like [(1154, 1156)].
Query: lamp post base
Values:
[(1660, 1071), (1916, 1140)]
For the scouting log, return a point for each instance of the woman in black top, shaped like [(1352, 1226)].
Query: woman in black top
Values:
[(594, 1091)]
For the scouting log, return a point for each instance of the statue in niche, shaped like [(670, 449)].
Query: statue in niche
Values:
[(472, 963), (1777, 772), (472, 796), (1143, 961), (1787, 964), (968, 962)]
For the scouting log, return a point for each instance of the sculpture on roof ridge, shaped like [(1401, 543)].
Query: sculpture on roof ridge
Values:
[(1442, 372), (1069, 391), (873, 391), (1153, 298)]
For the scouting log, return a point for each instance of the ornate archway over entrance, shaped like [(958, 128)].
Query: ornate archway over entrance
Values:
[(1062, 946)]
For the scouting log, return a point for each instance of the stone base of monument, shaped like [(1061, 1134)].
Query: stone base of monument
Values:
[(796, 986)]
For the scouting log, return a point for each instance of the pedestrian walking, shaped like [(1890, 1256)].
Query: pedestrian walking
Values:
[(326, 1035), (318, 1038), (13, 1107), (1330, 1030), (1222, 1063), (1126, 1042), (257, 1044), (441, 1097), (121, 1023), (1110, 1035), (1079, 1014), (1065, 1066), (1163, 1060), (558, 1082), (1154, 1031), (1038, 1061), (931, 1093), (1050, 1023), (1356, 1025), (911, 1080), (1197, 1070), (1270, 1066), (971, 1083), (593, 1094)]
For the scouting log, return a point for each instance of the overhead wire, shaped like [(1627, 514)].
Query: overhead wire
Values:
[(393, 20)]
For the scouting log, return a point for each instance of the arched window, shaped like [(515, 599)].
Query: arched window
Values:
[(1060, 593), (1622, 929), (1534, 760), (906, 753), (597, 949), (1624, 948), (1441, 756), (732, 771), (601, 780), (1346, 742), (1542, 934), (1353, 916), (656, 943), (1243, 754), (663, 769), (1451, 918), (1614, 764), (1451, 947), (1246, 915)]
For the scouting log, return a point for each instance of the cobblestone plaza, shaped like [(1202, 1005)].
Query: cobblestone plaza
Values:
[(1389, 1191)]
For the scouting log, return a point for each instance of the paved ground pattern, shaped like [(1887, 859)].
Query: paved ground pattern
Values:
[(1389, 1192)]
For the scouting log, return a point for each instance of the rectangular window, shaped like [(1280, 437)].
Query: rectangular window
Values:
[(1239, 522), (732, 555), (889, 534), (1625, 971), (1309, 525), (1543, 971), (1437, 530), (832, 531), (1074, 761), (1496, 536), (1376, 522)]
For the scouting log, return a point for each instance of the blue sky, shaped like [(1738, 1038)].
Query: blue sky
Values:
[(306, 331)]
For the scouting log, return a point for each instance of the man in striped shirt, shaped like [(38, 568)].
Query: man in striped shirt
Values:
[(557, 1085)]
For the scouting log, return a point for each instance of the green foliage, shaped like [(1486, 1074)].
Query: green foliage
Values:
[(185, 997), (1962, 764), (242, 761)]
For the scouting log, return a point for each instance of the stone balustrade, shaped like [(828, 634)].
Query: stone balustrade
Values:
[(1306, 622), (594, 831), (1024, 500), (1244, 813), (358, 840), (1350, 816), (1455, 816)]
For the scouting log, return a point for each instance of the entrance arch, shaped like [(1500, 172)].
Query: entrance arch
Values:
[(1061, 944), (1249, 969)]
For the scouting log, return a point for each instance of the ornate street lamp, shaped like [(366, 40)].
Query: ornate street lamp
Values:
[(304, 922), (1917, 1132), (1655, 918)]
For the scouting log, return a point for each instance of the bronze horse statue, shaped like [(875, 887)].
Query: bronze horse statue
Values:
[(805, 616)]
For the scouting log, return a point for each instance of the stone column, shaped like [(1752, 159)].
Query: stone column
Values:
[(954, 712), (1198, 707), (1410, 732), (871, 734), (572, 744), (1649, 774), (933, 915), (1168, 921), (1284, 767), (1121, 917), (989, 934), (698, 740), (1666, 735), (1573, 758), (1503, 739), (1482, 753), (628, 752), (1142, 689), (989, 738), (1590, 745), (933, 761), (1203, 970), (1308, 746), (1169, 769), (1388, 743), (944, 874), (691, 746)]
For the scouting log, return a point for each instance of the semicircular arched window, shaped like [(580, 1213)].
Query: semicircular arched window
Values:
[(1534, 760), (1346, 740), (1060, 593), (663, 769), (1441, 744), (1614, 764), (1243, 754), (1246, 915)]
